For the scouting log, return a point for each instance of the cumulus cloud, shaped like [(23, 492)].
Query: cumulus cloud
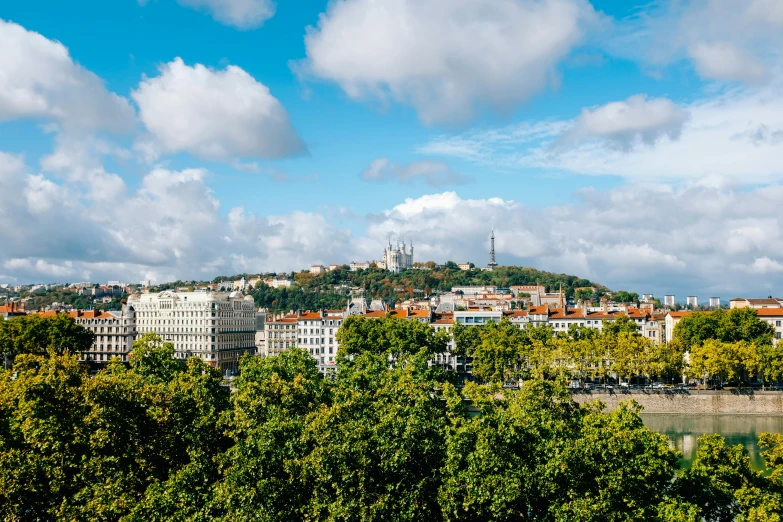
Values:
[(724, 61), (433, 173), (242, 14), (656, 239), (732, 136), (213, 114), (624, 123), (446, 58), (39, 79), (648, 238)]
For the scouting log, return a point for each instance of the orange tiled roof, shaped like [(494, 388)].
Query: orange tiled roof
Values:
[(680, 314), (769, 312), (310, 316)]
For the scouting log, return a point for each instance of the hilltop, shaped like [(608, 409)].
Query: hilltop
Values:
[(332, 289)]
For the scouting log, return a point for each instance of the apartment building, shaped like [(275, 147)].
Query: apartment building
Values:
[(774, 316), (769, 302), (114, 332), (280, 334), (218, 327)]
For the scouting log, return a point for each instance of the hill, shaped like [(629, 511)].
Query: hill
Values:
[(332, 289)]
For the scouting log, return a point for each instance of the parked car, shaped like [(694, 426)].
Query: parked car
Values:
[(657, 386), (625, 385), (589, 386), (778, 386)]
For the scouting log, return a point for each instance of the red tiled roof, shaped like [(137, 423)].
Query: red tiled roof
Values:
[(769, 312)]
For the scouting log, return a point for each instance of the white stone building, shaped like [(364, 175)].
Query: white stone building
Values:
[(217, 327), (668, 300), (692, 301), (398, 258), (315, 332)]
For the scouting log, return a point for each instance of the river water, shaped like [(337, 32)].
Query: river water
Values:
[(683, 430)]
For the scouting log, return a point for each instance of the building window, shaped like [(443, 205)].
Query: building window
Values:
[(777, 335), (777, 323)]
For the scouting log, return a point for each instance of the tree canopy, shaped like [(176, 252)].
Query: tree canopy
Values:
[(37, 334), (381, 439), (728, 326)]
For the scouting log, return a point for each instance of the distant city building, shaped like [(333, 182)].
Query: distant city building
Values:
[(464, 266), (398, 258), (317, 269), (145, 283), (359, 265), (769, 302), (217, 327), (668, 300), (714, 302), (114, 283), (692, 300), (647, 298), (278, 283)]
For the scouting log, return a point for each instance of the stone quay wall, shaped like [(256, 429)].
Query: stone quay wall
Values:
[(740, 402)]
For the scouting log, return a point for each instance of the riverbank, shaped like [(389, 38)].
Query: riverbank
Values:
[(709, 402)]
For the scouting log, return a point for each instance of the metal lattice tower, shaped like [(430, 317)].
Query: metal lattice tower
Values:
[(492, 262)]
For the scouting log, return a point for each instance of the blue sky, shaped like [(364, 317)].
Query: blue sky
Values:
[(632, 144)]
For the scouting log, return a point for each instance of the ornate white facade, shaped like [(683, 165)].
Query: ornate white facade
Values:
[(398, 258), (217, 327)]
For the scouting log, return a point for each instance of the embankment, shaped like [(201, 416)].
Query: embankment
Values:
[(739, 402)]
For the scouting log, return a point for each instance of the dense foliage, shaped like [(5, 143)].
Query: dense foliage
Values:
[(36, 334), (730, 345), (163, 440), (504, 352), (331, 289)]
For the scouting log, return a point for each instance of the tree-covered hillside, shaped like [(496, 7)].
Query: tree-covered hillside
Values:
[(332, 289)]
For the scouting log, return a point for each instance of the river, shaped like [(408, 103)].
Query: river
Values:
[(683, 430)]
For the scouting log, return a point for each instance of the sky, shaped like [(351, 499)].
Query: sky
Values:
[(639, 145)]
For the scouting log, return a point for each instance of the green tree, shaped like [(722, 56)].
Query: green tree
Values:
[(267, 422), (38, 334), (377, 449), (728, 326), (499, 356), (389, 335)]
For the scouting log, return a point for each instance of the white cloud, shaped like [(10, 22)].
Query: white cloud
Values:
[(637, 119), (446, 58), (433, 173), (725, 40), (213, 114), (242, 14), (724, 61), (732, 135), (38, 79), (762, 265), (656, 238), (697, 238)]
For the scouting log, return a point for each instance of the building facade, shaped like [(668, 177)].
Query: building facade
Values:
[(280, 334), (114, 333), (398, 258), (668, 300), (217, 327)]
